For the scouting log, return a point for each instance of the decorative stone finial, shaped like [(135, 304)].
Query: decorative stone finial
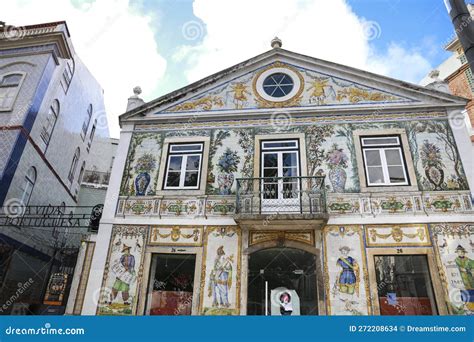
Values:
[(276, 43), (137, 90), (434, 74), (438, 83), (135, 101)]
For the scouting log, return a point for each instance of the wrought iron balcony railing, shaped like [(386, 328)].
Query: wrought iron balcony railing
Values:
[(282, 195)]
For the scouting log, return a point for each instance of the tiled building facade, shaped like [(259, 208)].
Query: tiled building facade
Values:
[(288, 185), (51, 116)]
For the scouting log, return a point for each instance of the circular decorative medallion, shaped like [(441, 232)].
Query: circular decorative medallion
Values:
[(278, 85)]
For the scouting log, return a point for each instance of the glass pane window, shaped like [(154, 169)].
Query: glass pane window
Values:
[(184, 168), (380, 141), (87, 121), (30, 180), (404, 285), (9, 88), (186, 148), (171, 284), (289, 144), (384, 164), (278, 84), (75, 160), (50, 122), (280, 172)]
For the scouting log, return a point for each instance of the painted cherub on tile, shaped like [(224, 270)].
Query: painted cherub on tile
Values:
[(319, 90), (240, 94)]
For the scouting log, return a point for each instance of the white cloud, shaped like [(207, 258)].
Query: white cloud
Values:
[(399, 63), (330, 30), (115, 42)]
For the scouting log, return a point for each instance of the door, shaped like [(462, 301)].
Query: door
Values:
[(280, 176), (282, 281), (170, 290), (404, 285)]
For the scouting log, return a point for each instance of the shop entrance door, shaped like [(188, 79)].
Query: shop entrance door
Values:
[(282, 281), (171, 284)]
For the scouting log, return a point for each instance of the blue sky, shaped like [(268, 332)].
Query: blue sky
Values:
[(422, 25), (162, 45)]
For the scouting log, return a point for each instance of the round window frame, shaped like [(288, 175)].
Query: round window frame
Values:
[(266, 91), (298, 84)]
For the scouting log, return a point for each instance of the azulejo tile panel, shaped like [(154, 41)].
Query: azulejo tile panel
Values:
[(330, 150), (454, 246), (338, 204), (221, 269), (345, 271), (395, 203), (204, 206), (175, 236), (315, 89), (123, 271), (140, 175), (260, 236), (397, 235)]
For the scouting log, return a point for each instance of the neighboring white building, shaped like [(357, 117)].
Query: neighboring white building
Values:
[(287, 178), (52, 128)]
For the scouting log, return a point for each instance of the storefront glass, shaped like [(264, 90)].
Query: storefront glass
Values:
[(171, 284), (282, 281), (404, 285)]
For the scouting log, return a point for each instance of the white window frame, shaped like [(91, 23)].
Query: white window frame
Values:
[(184, 154), (16, 91), (381, 149), (277, 148), (269, 203)]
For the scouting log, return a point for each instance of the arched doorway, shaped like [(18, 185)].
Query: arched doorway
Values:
[(271, 271)]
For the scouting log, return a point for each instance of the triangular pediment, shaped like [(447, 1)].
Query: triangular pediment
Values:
[(309, 83)]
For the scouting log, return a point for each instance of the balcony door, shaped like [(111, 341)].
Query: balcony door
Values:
[(280, 171)]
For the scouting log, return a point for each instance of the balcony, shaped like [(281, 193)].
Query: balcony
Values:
[(281, 198), (96, 178)]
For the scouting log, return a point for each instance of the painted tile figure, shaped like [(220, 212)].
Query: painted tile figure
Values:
[(240, 95), (466, 267), (348, 280), (125, 272), (221, 279)]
